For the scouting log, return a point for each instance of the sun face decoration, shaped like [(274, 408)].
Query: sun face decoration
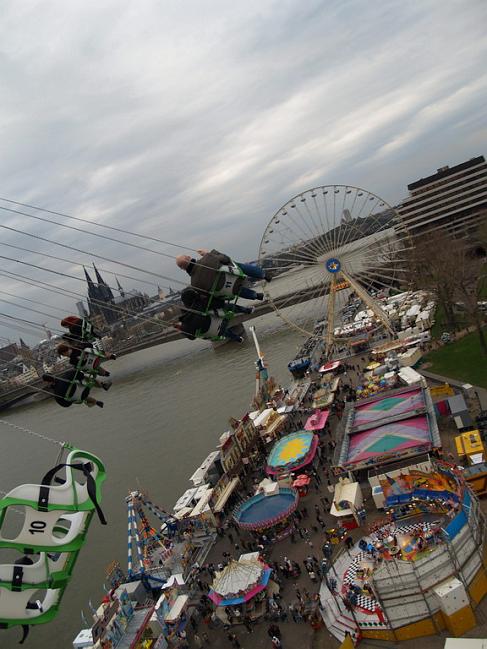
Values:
[(294, 449)]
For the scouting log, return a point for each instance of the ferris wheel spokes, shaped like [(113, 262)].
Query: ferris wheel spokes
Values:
[(334, 247)]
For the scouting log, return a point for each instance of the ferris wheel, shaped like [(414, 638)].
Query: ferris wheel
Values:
[(335, 255)]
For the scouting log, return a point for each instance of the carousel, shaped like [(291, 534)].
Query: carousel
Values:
[(292, 452), (268, 512), (398, 580), (241, 589)]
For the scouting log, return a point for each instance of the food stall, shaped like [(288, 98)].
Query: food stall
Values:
[(301, 484), (347, 500), (469, 445), (317, 420), (476, 477)]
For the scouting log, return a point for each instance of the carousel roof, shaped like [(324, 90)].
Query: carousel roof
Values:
[(292, 452), (240, 581), (237, 577)]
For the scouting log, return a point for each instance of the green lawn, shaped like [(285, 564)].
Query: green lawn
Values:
[(461, 360)]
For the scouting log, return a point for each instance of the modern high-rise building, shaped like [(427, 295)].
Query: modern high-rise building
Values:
[(454, 198)]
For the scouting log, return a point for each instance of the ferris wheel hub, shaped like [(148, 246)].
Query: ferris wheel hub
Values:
[(333, 265)]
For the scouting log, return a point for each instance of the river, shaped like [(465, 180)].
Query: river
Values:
[(163, 415)]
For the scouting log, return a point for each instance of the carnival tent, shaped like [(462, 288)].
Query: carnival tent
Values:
[(317, 420), (330, 367), (239, 582), (292, 452)]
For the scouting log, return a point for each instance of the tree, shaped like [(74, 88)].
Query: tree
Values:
[(456, 271), (433, 267)]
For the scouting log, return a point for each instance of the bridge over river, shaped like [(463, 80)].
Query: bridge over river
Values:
[(14, 396)]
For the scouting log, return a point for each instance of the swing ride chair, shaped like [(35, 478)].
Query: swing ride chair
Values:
[(56, 521), (233, 273), (89, 362)]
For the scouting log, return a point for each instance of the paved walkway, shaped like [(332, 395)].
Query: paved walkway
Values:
[(481, 392)]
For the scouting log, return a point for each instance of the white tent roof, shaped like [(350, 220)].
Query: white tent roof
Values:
[(238, 576), (177, 608), (174, 580), (199, 475), (414, 310), (349, 491), (249, 556), (185, 499), (263, 417)]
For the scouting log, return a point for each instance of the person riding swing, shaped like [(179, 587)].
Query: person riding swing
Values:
[(87, 360), (74, 388), (200, 321), (81, 334), (217, 275)]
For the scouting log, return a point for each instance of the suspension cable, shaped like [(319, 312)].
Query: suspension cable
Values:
[(92, 254), (94, 234), (50, 270), (33, 433), (70, 261), (26, 299), (69, 293), (98, 224)]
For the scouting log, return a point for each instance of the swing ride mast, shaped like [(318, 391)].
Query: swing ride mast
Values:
[(262, 374)]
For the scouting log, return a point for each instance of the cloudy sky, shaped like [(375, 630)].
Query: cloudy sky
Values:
[(194, 121)]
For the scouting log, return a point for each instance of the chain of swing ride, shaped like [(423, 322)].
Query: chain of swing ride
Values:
[(29, 326), (25, 325)]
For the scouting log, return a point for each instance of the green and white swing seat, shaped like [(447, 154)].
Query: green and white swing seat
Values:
[(52, 569), (232, 274), (46, 504), (55, 524), (89, 362)]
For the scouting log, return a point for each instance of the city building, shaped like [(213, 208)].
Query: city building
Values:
[(8, 352), (106, 308), (454, 198)]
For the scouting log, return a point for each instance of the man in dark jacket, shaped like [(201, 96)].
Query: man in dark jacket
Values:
[(88, 360), (195, 300), (81, 332), (215, 273), (193, 324), (74, 387)]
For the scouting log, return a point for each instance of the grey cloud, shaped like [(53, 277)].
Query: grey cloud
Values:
[(196, 121)]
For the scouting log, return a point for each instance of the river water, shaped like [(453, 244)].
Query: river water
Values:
[(163, 415)]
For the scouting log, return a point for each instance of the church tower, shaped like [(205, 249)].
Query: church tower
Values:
[(105, 291)]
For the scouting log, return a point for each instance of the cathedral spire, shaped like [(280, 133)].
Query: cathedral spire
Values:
[(105, 290), (120, 288), (91, 285)]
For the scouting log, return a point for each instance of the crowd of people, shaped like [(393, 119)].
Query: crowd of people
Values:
[(299, 564)]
